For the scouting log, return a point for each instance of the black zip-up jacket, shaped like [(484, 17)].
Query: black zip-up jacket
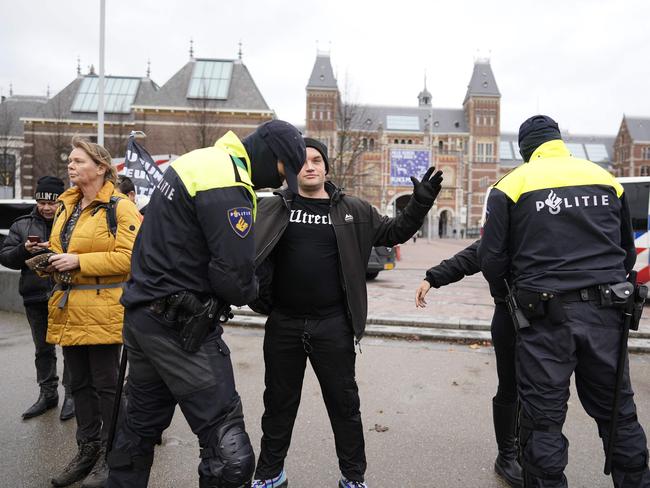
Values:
[(357, 227), (463, 263), (31, 287)]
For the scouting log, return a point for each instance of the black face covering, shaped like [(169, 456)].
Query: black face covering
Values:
[(264, 164), (534, 132)]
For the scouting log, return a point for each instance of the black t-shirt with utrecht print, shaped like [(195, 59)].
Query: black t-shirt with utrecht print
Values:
[(306, 281)]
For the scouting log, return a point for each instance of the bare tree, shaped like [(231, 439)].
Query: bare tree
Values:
[(202, 126), (351, 143), (56, 143), (118, 137)]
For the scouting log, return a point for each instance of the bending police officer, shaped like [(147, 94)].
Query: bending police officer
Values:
[(504, 403), (195, 250), (559, 226)]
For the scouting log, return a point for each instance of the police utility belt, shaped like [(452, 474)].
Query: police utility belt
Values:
[(193, 316), (526, 306)]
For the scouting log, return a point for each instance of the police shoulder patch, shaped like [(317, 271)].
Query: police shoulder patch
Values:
[(241, 220)]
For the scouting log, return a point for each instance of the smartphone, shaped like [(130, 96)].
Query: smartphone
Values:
[(33, 238)]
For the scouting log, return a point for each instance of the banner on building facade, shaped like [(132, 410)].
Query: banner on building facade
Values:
[(141, 168), (405, 163)]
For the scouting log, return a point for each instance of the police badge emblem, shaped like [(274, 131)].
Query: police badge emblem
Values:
[(241, 220)]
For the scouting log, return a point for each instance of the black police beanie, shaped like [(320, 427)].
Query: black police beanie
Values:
[(534, 132), (277, 140), (321, 148), (48, 188)]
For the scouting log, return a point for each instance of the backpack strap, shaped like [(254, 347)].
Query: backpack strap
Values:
[(111, 213)]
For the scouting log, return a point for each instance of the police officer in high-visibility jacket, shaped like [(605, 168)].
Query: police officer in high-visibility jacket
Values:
[(195, 250), (559, 228)]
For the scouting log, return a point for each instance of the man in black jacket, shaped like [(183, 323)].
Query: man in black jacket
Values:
[(504, 403), (28, 236), (312, 252)]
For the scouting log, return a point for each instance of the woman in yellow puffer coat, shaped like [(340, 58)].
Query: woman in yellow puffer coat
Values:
[(85, 316)]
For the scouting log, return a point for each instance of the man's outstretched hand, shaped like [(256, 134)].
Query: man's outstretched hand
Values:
[(426, 191)]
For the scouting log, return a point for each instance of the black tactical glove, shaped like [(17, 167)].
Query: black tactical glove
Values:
[(426, 191)]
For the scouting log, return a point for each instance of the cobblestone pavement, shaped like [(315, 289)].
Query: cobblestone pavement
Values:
[(392, 293)]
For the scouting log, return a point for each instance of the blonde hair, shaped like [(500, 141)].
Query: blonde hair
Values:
[(99, 155)]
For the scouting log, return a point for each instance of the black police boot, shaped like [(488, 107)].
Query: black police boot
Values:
[(506, 465), (99, 474), (67, 409), (80, 465), (46, 401)]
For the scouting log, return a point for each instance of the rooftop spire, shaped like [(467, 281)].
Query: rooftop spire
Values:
[(148, 68), (11, 89), (191, 48), (78, 66), (239, 54), (322, 75), (424, 97), (47, 93)]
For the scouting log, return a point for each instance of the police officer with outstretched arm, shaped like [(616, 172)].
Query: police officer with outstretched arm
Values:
[(504, 403), (559, 226), (193, 257)]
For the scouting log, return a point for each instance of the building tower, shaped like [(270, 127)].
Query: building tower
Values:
[(482, 108), (323, 100)]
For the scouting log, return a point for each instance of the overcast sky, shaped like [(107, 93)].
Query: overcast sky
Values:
[(584, 62)]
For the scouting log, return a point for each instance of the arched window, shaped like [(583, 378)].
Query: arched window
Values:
[(371, 146)]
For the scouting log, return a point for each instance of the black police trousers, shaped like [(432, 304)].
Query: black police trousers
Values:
[(547, 353), (503, 340), (161, 375), (329, 345), (45, 354)]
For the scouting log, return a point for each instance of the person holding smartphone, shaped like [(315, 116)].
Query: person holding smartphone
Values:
[(28, 236)]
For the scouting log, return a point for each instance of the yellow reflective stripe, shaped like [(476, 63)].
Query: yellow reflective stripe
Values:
[(544, 172), (211, 167), (231, 143)]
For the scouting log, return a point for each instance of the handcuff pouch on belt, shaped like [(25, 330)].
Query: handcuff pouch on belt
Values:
[(627, 296), (616, 295), (538, 305), (196, 318)]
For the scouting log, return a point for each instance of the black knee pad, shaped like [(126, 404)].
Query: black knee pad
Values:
[(230, 456)]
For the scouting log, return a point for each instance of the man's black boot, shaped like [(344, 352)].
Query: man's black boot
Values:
[(80, 465), (506, 465), (99, 474), (67, 409), (44, 403)]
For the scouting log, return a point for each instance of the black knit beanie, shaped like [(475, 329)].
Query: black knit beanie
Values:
[(48, 188), (321, 148), (534, 132)]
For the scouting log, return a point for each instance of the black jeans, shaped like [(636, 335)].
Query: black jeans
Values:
[(93, 381), (587, 343), (503, 339), (162, 375), (329, 345), (45, 354)]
